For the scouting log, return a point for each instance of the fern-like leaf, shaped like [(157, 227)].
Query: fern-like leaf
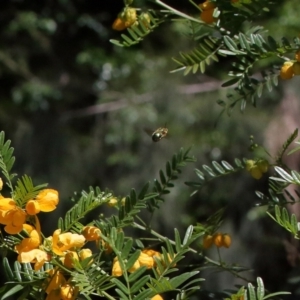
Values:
[(6, 159)]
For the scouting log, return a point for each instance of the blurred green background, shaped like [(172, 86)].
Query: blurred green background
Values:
[(75, 107)]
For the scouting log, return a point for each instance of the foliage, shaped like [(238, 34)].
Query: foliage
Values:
[(245, 47), (118, 253)]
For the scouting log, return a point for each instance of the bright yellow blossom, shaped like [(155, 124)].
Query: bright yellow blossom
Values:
[(85, 253), (116, 269), (36, 256), (45, 201), (55, 280), (68, 292), (66, 241), (12, 216), (30, 243), (146, 260), (157, 297)]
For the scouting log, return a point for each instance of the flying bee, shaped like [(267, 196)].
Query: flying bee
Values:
[(158, 134)]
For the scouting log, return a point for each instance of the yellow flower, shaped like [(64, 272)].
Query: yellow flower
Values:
[(157, 297), (55, 280), (45, 201), (12, 216), (91, 233), (146, 260), (152, 253), (125, 19), (116, 269), (112, 202), (1, 184), (36, 256), (66, 241), (287, 71), (135, 266), (30, 243), (68, 292), (257, 168), (129, 16), (85, 253)]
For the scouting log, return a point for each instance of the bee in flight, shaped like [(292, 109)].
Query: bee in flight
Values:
[(158, 134)]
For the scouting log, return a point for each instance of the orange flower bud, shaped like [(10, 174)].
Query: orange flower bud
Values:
[(287, 71), (207, 16), (118, 24), (91, 233), (226, 240), (207, 5), (218, 239), (207, 241)]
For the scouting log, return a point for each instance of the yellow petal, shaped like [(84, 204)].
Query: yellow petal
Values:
[(47, 199), (32, 207)]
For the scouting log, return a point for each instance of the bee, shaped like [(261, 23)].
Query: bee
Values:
[(158, 134)]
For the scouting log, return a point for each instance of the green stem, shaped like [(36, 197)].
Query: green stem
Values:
[(178, 13), (217, 264)]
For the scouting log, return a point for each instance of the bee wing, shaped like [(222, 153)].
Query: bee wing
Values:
[(149, 131)]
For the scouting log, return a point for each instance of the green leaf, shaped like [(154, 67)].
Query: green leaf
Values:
[(188, 234), (177, 240), (139, 284), (15, 288), (229, 42), (218, 167), (137, 274), (260, 289), (286, 176), (178, 280)]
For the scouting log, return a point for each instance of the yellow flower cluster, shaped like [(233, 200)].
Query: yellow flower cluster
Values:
[(67, 247), (146, 259), (291, 68), (206, 14), (128, 17), (14, 216), (257, 168), (219, 239), (125, 19)]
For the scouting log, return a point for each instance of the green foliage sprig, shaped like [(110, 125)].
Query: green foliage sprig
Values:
[(218, 170)]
